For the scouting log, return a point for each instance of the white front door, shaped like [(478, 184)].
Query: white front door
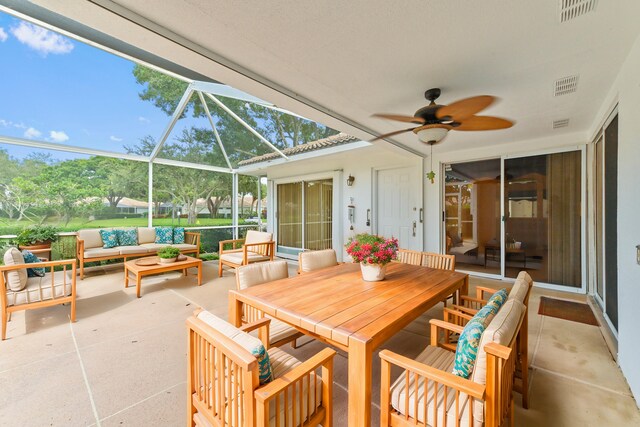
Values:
[(398, 206)]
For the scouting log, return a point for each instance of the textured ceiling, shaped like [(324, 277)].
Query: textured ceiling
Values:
[(357, 58)]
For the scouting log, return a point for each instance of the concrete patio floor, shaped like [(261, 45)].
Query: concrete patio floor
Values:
[(124, 361)]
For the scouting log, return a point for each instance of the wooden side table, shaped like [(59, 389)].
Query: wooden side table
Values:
[(139, 271)]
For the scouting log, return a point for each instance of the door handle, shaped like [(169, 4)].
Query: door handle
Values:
[(414, 229), (421, 215)]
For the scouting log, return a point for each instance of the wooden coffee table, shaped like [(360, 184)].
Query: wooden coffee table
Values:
[(139, 271)]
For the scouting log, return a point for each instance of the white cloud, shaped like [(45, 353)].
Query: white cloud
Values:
[(19, 125), (3, 35), (58, 136), (115, 138), (143, 120), (32, 133), (41, 40), (5, 123)]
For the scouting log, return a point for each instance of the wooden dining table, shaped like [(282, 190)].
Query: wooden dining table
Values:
[(336, 306)]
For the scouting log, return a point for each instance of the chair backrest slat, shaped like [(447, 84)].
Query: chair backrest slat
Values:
[(439, 261), (407, 256)]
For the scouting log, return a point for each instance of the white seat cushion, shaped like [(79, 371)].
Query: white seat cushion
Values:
[(440, 359), (256, 274), (146, 235), (98, 252), (16, 279), (184, 246), (236, 257), (153, 247), (91, 237), (128, 250), (40, 289), (315, 260)]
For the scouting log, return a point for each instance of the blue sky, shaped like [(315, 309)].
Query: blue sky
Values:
[(60, 90)]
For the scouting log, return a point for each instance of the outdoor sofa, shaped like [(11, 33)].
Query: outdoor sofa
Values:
[(92, 247)]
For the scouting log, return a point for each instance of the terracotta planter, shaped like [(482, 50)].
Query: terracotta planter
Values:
[(38, 246), (373, 272)]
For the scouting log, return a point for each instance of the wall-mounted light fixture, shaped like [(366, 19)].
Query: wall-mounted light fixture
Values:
[(350, 180)]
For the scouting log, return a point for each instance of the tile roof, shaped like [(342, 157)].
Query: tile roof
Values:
[(331, 141)]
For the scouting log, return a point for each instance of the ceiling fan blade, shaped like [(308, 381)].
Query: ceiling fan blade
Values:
[(484, 123), (401, 118), (386, 135), (460, 110)]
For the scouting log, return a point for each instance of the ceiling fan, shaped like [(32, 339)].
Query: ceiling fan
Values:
[(435, 121)]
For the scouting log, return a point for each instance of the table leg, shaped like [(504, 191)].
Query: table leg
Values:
[(235, 310), (359, 411), (199, 274), (138, 279), (126, 277)]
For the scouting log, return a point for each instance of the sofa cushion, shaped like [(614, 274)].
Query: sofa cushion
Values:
[(315, 260), (164, 235), (185, 246), (178, 235), (100, 252), (467, 348), (130, 250), (442, 360), (109, 238), (16, 279), (127, 236), (252, 344), (146, 235), (521, 287), (256, 274), (236, 257), (91, 237), (30, 258), (39, 289), (153, 247)]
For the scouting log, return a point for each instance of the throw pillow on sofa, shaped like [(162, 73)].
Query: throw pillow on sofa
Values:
[(178, 235), (109, 238), (30, 258), (127, 237), (164, 235)]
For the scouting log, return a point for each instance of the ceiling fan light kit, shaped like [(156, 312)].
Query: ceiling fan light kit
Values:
[(432, 134)]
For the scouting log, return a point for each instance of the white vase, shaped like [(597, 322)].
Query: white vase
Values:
[(373, 272)]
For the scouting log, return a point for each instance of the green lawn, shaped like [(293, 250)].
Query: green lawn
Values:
[(12, 226)]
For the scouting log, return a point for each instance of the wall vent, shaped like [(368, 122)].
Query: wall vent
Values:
[(563, 123), (566, 85), (571, 9)]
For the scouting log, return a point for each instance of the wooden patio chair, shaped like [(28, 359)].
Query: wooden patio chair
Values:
[(224, 379), (315, 260), (440, 262), (520, 291), (427, 393), (19, 292), (407, 256), (258, 246), (279, 333)]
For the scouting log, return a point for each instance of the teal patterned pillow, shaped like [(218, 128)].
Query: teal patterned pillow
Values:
[(109, 238), (264, 364), (31, 258), (127, 237), (467, 349), (485, 314), (178, 235), (164, 235), (498, 299)]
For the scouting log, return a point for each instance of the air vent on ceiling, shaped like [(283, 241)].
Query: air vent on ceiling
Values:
[(571, 9), (563, 123), (566, 85)]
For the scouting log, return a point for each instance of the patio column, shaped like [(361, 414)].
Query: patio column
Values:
[(234, 204), (150, 215)]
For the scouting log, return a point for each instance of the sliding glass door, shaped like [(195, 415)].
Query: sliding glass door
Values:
[(304, 216), (502, 216)]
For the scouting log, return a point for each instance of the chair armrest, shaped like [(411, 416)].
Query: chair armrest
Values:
[(471, 302), (262, 325), (42, 264), (480, 290), (233, 242), (456, 315), (193, 238), (464, 309), (444, 378), (269, 391)]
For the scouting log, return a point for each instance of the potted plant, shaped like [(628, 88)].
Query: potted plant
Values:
[(168, 254), (36, 237), (373, 253)]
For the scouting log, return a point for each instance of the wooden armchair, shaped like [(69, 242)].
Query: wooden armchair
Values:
[(279, 333), (407, 256), (521, 290), (258, 246), (56, 287), (427, 393), (224, 387)]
